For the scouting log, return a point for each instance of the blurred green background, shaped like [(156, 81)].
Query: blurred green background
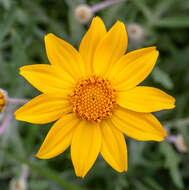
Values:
[(152, 166)]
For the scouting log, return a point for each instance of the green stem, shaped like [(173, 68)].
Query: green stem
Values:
[(144, 9), (179, 122), (43, 171)]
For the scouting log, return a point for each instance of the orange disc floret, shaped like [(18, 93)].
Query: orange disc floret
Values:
[(93, 99)]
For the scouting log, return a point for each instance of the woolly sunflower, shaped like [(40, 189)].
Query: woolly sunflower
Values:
[(93, 95), (2, 100)]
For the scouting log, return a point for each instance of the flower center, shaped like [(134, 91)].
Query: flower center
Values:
[(93, 99)]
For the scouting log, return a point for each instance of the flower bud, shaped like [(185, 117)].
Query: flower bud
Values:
[(180, 144), (135, 33), (83, 13), (18, 184)]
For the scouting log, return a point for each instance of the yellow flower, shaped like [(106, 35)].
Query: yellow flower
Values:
[(2, 100), (93, 95)]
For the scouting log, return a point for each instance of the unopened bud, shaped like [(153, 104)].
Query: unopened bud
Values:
[(180, 144), (135, 33), (18, 184), (83, 13)]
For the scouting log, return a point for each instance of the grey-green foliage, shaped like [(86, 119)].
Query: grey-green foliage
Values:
[(163, 78), (152, 166), (172, 161)]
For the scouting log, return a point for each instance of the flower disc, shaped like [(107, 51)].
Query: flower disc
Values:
[(93, 99)]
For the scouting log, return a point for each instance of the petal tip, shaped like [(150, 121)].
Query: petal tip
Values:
[(120, 24), (16, 116), (97, 18), (121, 170), (97, 22), (165, 134), (48, 35), (160, 139), (156, 51), (80, 174), (21, 72), (153, 48), (40, 155), (172, 106), (22, 68), (173, 100)]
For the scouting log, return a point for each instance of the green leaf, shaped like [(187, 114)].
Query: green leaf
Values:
[(141, 5), (6, 3), (135, 155), (50, 174), (141, 186), (172, 161), (153, 183), (76, 29), (162, 78), (173, 22), (117, 10), (7, 23), (163, 6)]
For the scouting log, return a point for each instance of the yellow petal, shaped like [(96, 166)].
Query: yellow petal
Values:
[(46, 79), (145, 99), (90, 41), (139, 126), (64, 56), (114, 149), (111, 48), (43, 109), (85, 147), (59, 137), (133, 68)]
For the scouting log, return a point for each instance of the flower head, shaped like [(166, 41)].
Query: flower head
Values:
[(180, 144), (3, 99), (83, 13), (135, 32), (94, 97), (18, 184)]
